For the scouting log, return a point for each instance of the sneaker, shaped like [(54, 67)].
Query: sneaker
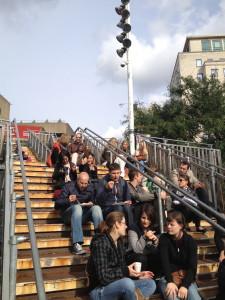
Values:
[(77, 249)]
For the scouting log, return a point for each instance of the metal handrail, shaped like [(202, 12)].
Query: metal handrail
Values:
[(35, 254), (116, 151), (179, 142), (41, 149), (168, 146), (6, 196)]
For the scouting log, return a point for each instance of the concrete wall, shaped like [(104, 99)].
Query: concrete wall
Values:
[(4, 108)]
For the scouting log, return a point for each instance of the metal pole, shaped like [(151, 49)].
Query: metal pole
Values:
[(130, 97), (160, 210)]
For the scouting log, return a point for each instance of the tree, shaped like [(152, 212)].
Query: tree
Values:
[(195, 108)]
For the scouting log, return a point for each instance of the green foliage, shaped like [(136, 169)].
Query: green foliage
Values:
[(194, 108)]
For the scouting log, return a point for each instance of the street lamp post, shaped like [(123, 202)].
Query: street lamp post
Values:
[(124, 24)]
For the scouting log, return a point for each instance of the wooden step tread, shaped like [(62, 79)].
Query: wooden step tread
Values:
[(33, 195), (35, 174), (48, 243), (34, 168), (42, 203), (34, 180), (34, 187), (39, 215), (50, 228)]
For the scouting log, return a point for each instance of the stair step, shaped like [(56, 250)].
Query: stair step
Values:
[(45, 203), (33, 180), (50, 228), (207, 266), (38, 215), (42, 195), (52, 285), (48, 243), (34, 187), (53, 261), (35, 174), (28, 163), (34, 168)]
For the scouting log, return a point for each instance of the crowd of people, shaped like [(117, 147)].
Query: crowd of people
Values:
[(127, 252)]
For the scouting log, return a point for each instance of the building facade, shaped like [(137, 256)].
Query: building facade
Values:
[(4, 108), (202, 56)]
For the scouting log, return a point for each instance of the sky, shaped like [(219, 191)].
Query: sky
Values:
[(58, 57)]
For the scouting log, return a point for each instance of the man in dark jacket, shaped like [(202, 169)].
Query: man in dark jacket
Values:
[(113, 193), (76, 204)]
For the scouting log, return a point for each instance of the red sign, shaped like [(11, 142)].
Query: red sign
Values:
[(24, 129)]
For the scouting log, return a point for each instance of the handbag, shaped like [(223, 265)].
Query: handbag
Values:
[(178, 276)]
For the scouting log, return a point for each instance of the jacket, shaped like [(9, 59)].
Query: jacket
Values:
[(178, 254), (106, 262), (138, 194), (71, 188), (107, 197), (175, 175)]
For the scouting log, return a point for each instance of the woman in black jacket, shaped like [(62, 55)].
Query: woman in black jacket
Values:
[(107, 269), (143, 241), (178, 253)]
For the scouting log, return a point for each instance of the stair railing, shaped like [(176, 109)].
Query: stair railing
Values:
[(40, 148), (167, 187), (167, 159), (35, 254), (202, 153)]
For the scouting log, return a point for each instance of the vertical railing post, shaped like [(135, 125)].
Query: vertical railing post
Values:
[(213, 182), (161, 226)]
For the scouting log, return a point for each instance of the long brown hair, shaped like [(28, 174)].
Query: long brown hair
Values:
[(111, 219)]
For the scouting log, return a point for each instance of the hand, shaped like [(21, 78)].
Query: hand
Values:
[(146, 275), (128, 202), (199, 185), (163, 195), (150, 235), (84, 161), (171, 290), (182, 292), (110, 185), (72, 198), (132, 272), (222, 256)]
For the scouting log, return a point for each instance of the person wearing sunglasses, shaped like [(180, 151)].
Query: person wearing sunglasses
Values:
[(184, 184)]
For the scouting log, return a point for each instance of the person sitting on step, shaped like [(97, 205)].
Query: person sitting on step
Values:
[(110, 277), (76, 204), (184, 184), (178, 254), (113, 193)]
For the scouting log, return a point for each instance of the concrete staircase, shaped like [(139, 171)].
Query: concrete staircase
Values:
[(64, 273)]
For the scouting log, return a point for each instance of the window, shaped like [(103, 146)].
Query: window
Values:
[(214, 73), (200, 76), (198, 62), (217, 45), (206, 45)]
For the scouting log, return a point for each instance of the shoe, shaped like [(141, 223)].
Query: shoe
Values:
[(77, 249)]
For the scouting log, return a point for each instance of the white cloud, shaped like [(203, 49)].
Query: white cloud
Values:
[(114, 132), (153, 59)]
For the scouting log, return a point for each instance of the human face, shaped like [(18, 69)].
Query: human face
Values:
[(82, 183), (115, 175), (145, 222), (182, 183), (139, 178), (78, 137), (65, 160), (183, 169), (121, 227), (125, 146), (90, 160), (174, 228)]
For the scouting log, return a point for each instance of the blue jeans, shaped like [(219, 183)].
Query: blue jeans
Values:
[(123, 289), (76, 215), (192, 291)]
